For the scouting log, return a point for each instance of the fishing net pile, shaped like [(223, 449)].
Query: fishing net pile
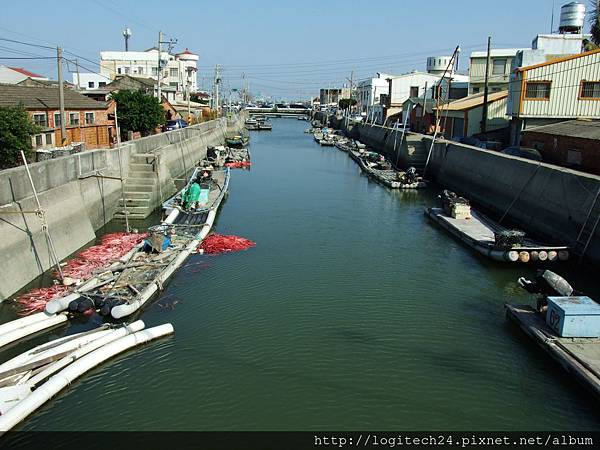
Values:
[(112, 247), (238, 164), (220, 243)]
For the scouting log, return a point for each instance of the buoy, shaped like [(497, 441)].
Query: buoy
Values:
[(512, 255), (543, 255), (534, 255), (563, 255), (524, 256), (552, 255)]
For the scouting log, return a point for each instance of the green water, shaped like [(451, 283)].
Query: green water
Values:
[(352, 312)]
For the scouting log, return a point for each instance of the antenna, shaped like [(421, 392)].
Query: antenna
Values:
[(127, 35), (552, 20)]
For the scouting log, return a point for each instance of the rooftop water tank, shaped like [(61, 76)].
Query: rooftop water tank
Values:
[(438, 64), (572, 18)]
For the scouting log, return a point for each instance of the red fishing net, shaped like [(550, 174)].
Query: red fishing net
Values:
[(220, 243), (112, 247), (238, 164)]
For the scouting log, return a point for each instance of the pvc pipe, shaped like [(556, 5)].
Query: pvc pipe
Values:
[(172, 216), (523, 256), (24, 321), (535, 255), (38, 353), (90, 347), (563, 255), (33, 328), (66, 376), (59, 304), (543, 255), (552, 255)]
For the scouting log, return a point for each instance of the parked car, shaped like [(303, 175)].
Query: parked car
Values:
[(175, 124), (523, 152)]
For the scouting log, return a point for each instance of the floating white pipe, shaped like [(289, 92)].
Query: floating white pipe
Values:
[(18, 333), (172, 216), (24, 321), (66, 376), (69, 343), (90, 347)]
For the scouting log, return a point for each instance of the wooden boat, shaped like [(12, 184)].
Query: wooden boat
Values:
[(264, 126), (318, 136), (384, 173), (125, 288), (327, 141), (29, 380), (483, 235)]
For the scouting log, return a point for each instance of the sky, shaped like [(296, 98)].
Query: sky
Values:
[(284, 49)]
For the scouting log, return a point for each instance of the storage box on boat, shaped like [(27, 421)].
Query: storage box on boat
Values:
[(460, 211)]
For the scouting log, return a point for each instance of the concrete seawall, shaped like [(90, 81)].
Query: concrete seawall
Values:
[(77, 200)]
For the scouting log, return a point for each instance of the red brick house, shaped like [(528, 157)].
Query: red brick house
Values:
[(573, 143), (86, 120)]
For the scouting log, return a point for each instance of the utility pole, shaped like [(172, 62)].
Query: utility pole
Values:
[(159, 93), (484, 114), (61, 97), (217, 81), (126, 35), (78, 75)]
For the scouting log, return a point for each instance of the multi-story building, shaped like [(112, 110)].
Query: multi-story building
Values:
[(369, 91), (177, 70), (86, 120), (554, 91), (331, 96), (501, 60)]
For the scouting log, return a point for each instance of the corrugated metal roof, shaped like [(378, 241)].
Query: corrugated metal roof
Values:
[(473, 101), (44, 98), (585, 129)]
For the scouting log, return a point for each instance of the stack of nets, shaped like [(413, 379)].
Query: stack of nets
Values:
[(509, 238)]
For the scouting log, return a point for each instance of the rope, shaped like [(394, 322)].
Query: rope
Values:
[(520, 192)]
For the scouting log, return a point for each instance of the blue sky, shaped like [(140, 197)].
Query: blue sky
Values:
[(284, 48)]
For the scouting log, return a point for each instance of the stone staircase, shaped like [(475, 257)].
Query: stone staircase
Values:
[(141, 189)]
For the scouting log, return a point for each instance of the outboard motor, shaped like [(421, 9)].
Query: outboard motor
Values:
[(547, 284), (410, 176)]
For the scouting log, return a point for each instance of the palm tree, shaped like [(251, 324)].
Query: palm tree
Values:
[(594, 18)]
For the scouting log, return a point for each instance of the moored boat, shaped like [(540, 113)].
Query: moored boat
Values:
[(237, 140), (377, 167)]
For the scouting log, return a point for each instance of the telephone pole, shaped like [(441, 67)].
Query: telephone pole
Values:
[(217, 81), (61, 96), (484, 114), (160, 38)]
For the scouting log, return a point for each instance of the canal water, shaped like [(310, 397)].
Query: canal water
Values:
[(352, 312)]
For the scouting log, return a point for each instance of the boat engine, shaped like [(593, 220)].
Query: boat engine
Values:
[(547, 284), (410, 176)]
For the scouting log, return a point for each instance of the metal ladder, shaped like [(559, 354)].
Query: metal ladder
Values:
[(589, 228)]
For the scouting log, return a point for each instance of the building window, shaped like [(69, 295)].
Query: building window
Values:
[(74, 119), (499, 67), (155, 71), (41, 120), (39, 140), (91, 84), (140, 70), (126, 69), (173, 72), (101, 84), (414, 91), (119, 70), (57, 121), (173, 84), (48, 138), (89, 118), (590, 90), (476, 90), (537, 90)]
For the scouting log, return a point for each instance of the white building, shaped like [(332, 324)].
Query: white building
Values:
[(89, 81), (501, 60), (178, 71), (368, 92)]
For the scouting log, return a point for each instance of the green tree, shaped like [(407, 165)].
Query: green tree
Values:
[(137, 111), (346, 103), (16, 129), (595, 23)]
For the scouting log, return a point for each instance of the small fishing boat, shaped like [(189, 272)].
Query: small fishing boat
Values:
[(237, 140), (565, 324), (30, 379), (378, 168), (264, 126), (318, 135), (327, 141), (489, 237), (124, 288)]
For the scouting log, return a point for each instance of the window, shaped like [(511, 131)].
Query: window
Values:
[(119, 70), (48, 138), (40, 119), (537, 90), (499, 67), (140, 70), (414, 91), (126, 69), (39, 141), (101, 84), (155, 71), (91, 84), (173, 84), (174, 72), (74, 119), (590, 90), (57, 120), (476, 90), (89, 118)]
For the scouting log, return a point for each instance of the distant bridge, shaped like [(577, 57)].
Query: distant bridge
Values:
[(279, 112)]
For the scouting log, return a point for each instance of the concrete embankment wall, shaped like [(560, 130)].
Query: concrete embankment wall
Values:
[(77, 203), (549, 201)]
